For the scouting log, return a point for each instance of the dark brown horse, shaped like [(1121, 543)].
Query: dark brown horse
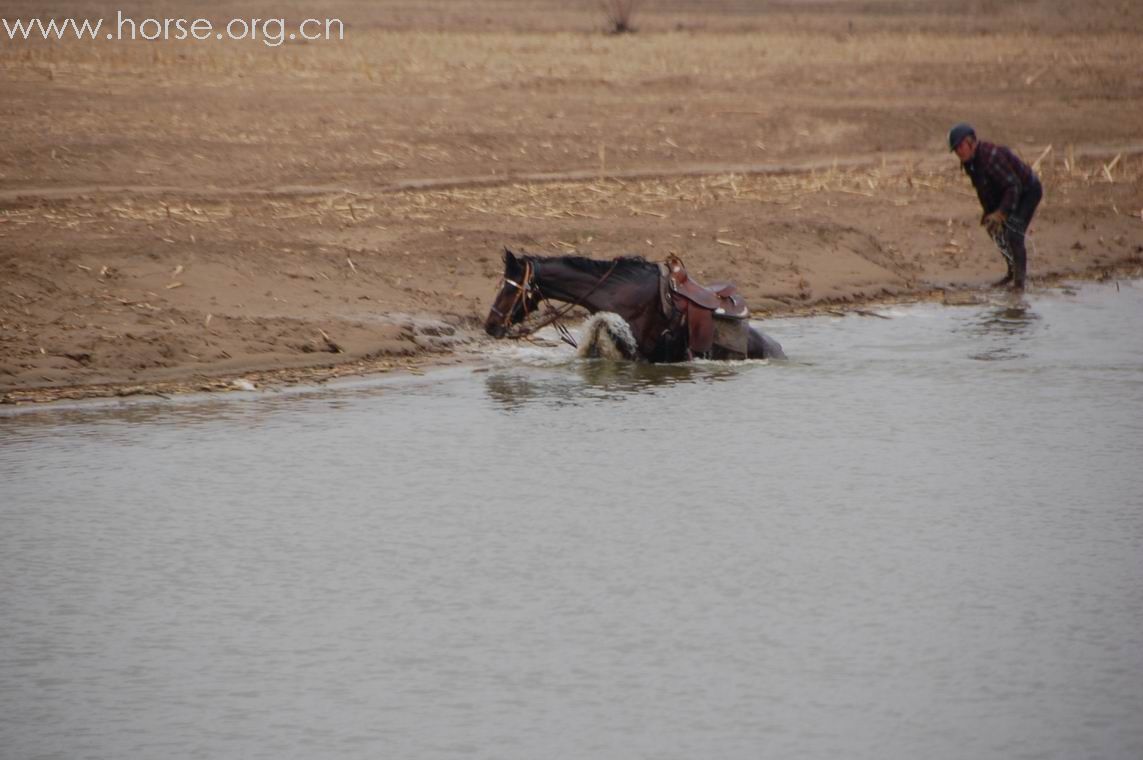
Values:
[(629, 286)]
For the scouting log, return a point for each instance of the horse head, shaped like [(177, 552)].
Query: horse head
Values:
[(517, 296)]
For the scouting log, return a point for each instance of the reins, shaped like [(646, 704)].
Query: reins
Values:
[(529, 284)]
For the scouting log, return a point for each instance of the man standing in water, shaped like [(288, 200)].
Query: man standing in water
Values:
[(1009, 192)]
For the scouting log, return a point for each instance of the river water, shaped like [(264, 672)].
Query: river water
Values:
[(921, 537)]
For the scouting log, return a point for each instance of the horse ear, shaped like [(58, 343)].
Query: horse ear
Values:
[(511, 260)]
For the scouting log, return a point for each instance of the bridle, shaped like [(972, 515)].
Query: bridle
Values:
[(525, 288)]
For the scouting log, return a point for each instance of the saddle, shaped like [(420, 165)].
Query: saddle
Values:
[(714, 315)]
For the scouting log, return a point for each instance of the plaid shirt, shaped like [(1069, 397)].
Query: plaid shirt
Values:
[(999, 177)]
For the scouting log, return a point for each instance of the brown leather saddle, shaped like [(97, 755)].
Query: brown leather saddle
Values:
[(714, 315)]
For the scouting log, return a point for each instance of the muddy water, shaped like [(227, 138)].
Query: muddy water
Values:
[(923, 537)]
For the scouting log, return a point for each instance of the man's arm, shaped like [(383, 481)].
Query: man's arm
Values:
[(1000, 166)]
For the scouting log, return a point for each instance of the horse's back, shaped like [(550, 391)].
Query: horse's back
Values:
[(762, 346), (738, 339)]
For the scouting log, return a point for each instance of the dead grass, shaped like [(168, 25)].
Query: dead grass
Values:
[(619, 14), (494, 59), (499, 102), (896, 185)]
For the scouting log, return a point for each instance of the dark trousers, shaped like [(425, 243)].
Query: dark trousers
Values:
[(1010, 238)]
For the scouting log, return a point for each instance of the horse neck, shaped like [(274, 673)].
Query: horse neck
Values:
[(592, 291)]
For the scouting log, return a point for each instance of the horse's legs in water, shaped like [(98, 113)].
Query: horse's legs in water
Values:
[(762, 346)]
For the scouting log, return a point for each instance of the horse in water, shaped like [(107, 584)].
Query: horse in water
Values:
[(663, 318)]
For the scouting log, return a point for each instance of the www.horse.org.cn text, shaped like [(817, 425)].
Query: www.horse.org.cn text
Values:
[(271, 32)]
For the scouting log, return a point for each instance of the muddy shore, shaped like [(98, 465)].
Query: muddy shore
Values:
[(175, 217)]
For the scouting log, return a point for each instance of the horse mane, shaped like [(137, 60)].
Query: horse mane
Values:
[(630, 268)]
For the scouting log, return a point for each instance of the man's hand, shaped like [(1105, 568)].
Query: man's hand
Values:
[(994, 222)]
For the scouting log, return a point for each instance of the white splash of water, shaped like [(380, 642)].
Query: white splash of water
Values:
[(607, 336)]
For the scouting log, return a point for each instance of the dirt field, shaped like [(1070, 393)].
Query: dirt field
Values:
[(174, 215)]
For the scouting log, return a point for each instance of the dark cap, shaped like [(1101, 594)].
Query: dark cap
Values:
[(958, 133)]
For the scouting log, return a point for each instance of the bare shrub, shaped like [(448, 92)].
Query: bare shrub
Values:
[(619, 14)]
